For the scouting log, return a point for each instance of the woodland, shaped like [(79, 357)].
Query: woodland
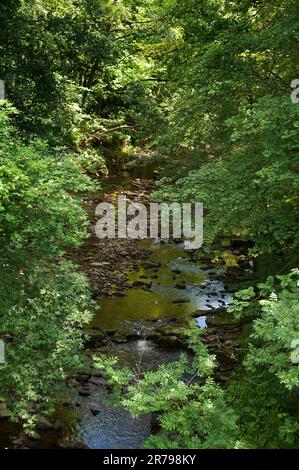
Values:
[(192, 101)]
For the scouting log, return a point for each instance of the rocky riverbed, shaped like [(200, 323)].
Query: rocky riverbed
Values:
[(148, 292)]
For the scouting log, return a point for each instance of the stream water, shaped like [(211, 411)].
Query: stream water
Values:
[(163, 292), (173, 290), (170, 293)]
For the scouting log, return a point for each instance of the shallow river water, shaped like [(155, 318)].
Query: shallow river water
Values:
[(174, 290), (161, 294)]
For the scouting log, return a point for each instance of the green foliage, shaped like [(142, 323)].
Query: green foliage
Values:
[(190, 406), (204, 88), (269, 382), (230, 141), (275, 329), (39, 208), (42, 333), (232, 126), (92, 162), (43, 301), (242, 300)]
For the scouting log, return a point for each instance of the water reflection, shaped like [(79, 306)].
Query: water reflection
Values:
[(176, 289)]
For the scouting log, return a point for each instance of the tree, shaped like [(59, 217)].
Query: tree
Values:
[(190, 406), (43, 301)]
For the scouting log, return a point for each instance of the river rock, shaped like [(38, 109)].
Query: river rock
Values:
[(34, 436), (98, 381), (119, 339), (94, 337), (181, 301), (196, 314), (120, 293), (176, 271), (82, 378), (171, 331), (218, 311), (223, 378), (180, 286), (94, 408), (84, 371), (59, 425), (167, 341), (96, 372), (142, 284), (20, 442), (44, 424), (4, 414), (151, 265)]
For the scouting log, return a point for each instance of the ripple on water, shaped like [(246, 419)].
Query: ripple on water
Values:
[(113, 428), (178, 279)]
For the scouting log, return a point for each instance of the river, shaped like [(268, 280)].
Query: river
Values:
[(143, 330)]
